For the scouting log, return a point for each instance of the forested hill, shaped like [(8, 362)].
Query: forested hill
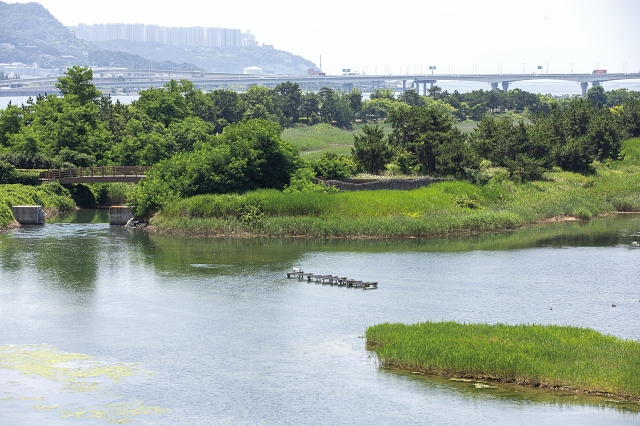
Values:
[(30, 24), (216, 59), (30, 34)]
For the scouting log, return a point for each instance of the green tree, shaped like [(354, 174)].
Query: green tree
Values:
[(78, 82), (386, 93), (229, 108), (335, 107), (435, 92), (597, 95), (371, 150), (411, 97), (188, 132), (10, 122), (166, 104), (511, 146), (429, 134), (288, 98), (355, 101), (630, 117), (247, 155), (259, 104), (310, 106)]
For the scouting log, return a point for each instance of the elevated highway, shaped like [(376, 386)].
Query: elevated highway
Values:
[(121, 78)]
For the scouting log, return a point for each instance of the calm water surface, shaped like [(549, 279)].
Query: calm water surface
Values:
[(231, 341)]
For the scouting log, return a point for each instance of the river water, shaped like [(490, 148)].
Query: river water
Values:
[(104, 324)]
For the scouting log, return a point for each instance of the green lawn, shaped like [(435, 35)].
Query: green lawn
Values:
[(313, 141)]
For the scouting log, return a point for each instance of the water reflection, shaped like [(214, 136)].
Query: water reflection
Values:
[(511, 394), (82, 216), (178, 254), (225, 330)]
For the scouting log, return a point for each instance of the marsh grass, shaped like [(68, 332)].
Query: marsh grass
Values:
[(536, 355)]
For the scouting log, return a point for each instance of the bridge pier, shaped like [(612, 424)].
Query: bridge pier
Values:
[(119, 215), (494, 86), (28, 215), (505, 86), (595, 84), (584, 86), (404, 86)]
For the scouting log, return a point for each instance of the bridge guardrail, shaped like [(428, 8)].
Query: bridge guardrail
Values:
[(102, 171)]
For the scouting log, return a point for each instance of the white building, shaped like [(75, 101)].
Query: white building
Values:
[(253, 70), (172, 36)]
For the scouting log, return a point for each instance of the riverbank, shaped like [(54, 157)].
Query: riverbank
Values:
[(444, 208), (53, 198), (574, 359)]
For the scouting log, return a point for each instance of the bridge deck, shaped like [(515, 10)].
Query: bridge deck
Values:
[(95, 174)]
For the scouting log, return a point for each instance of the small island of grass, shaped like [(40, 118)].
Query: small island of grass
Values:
[(571, 358)]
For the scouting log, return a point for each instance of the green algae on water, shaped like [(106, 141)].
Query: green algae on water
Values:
[(81, 378)]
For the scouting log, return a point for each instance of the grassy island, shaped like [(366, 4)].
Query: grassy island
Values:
[(572, 358)]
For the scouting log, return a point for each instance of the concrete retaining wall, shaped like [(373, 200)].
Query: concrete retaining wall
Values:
[(402, 184), (119, 215), (28, 215)]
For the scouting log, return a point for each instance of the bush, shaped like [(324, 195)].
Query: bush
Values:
[(248, 155), (49, 196), (9, 175), (24, 161), (110, 194), (333, 166), (76, 158), (303, 180)]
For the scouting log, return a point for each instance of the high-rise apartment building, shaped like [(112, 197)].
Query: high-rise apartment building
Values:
[(172, 36)]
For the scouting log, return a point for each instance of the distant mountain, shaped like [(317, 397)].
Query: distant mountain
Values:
[(30, 34), (215, 59)]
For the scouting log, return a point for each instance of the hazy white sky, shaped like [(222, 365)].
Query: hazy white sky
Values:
[(392, 36)]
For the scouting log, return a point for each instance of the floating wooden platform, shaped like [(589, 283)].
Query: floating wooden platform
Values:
[(331, 280)]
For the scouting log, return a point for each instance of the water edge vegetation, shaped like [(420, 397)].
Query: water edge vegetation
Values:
[(442, 208), (547, 356)]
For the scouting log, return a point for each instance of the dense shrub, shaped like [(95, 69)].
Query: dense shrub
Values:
[(332, 166), (246, 156), (9, 175), (51, 196)]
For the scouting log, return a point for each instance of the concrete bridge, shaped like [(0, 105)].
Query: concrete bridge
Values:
[(73, 175), (122, 78)]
